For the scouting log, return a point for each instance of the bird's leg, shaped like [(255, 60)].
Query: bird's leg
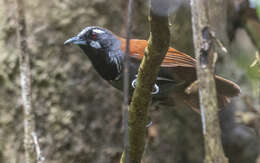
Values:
[(154, 91), (192, 88)]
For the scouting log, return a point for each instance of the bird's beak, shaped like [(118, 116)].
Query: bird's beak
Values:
[(75, 40)]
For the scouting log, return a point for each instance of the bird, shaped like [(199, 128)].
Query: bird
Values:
[(106, 51)]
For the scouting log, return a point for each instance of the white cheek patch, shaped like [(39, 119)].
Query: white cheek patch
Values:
[(98, 31), (95, 44)]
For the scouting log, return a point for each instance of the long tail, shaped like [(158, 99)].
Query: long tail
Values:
[(225, 90), (226, 87)]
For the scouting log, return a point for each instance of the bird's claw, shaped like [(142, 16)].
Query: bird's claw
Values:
[(149, 124), (154, 92)]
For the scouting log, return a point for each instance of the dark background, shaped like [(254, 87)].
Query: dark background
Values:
[(78, 115)]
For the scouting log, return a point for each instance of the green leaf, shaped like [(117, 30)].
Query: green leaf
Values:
[(258, 8), (258, 11)]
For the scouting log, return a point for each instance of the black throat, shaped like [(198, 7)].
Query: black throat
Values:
[(108, 63)]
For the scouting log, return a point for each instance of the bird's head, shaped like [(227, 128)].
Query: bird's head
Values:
[(95, 39), (103, 49)]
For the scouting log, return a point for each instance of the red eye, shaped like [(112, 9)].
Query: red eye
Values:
[(94, 36)]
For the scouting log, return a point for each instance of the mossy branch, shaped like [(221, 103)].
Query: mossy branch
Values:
[(206, 57), (156, 50)]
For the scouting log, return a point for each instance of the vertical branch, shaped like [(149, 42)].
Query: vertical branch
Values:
[(29, 123), (206, 57), (125, 156), (157, 47)]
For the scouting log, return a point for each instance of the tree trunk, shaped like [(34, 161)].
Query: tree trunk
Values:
[(206, 58)]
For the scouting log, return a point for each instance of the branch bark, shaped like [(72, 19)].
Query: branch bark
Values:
[(206, 57), (29, 123), (156, 50), (125, 155)]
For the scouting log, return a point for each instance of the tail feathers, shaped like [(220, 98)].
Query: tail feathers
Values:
[(225, 90), (226, 87), (193, 102)]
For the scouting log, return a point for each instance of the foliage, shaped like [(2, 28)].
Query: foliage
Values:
[(258, 8)]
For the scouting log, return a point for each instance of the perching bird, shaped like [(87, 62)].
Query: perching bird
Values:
[(106, 51)]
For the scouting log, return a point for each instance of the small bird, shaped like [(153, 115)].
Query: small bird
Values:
[(106, 51)]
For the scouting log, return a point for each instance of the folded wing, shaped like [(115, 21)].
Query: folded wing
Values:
[(183, 66)]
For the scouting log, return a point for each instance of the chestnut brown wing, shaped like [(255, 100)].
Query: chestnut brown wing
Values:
[(175, 58)]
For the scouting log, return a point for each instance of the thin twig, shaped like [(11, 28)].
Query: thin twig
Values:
[(29, 122), (40, 158), (218, 42), (255, 63), (126, 82)]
